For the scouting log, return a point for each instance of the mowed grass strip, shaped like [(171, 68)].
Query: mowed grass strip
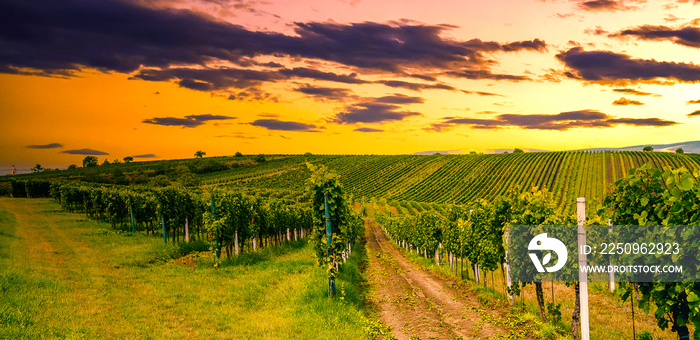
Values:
[(64, 276)]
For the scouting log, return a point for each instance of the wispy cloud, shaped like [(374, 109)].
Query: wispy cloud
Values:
[(562, 121), (187, 121), (686, 36), (327, 93), (86, 152), (608, 5), (147, 155), (280, 125), (625, 101), (45, 146), (614, 68), (367, 129), (634, 92)]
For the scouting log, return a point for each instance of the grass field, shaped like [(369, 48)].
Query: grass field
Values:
[(64, 276)]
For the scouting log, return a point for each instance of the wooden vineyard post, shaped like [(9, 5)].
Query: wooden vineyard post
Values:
[(216, 232), (131, 213), (582, 275), (329, 236)]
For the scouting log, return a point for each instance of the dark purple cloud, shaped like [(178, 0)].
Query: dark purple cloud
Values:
[(210, 79), (63, 37), (147, 155), (397, 98), (625, 101), (372, 112), (561, 121), (327, 93), (686, 36), (280, 125), (415, 86), (607, 5), (366, 129), (46, 146), (304, 72), (86, 152), (187, 121), (484, 74), (694, 114), (378, 110), (610, 67), (697, 101)]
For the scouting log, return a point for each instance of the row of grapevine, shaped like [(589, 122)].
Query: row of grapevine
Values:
[(223, 218)]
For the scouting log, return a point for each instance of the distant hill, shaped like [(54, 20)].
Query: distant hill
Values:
[(688, 147)]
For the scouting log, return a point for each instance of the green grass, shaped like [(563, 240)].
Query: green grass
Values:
[(62, 276)]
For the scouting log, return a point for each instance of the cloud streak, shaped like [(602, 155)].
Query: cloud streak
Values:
[(624, 101), (86, 152), (280, 125), (686, 36), (614, 68), (45, 146), (188, 121), (559, 122)]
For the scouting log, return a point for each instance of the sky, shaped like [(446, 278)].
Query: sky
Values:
[(161, 79)]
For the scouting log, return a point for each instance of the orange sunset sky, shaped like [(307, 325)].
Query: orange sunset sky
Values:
[(161, 79)]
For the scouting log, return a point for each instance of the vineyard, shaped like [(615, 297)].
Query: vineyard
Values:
[(455, 179), (453, 210)]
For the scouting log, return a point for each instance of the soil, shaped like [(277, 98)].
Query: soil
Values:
[(416, 302)]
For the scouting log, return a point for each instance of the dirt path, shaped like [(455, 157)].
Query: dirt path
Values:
[(417, 302)]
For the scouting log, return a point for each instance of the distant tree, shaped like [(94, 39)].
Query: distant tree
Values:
[(239, 154), (128, 159), (516, 150), (679, 150), (106, 162), (37, 168), (308, 154), (648, 148), (472, 152), (89, 161), (72, 166), (116, 161), (260, 158), (200, 154)]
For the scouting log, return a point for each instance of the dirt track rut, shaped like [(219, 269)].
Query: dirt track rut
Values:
[(417, 302)]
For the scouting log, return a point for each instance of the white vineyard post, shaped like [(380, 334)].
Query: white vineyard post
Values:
[(612, 273), (582, 275), (509, 281), (236, 243), (254, 244), (289, 238), (295, 234), (187, 230)]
